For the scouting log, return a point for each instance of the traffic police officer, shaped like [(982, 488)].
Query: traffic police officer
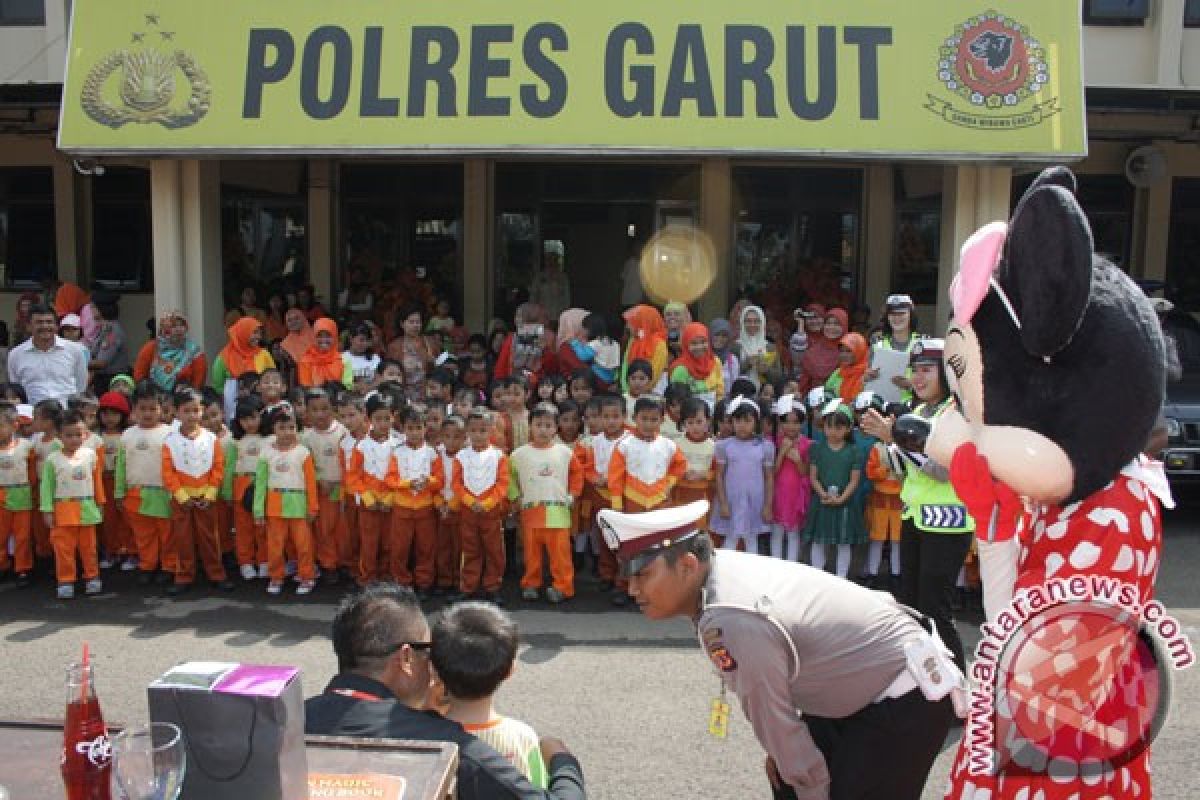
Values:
[(833, 677)]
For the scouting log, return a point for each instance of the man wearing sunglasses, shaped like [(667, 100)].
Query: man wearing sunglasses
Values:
[(382, 642)]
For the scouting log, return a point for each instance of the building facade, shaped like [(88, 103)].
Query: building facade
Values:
[(186, 222)]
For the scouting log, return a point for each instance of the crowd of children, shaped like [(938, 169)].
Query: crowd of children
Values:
[(358, 481)]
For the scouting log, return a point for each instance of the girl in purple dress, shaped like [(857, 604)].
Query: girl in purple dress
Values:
[(792, 486), (745, 470)]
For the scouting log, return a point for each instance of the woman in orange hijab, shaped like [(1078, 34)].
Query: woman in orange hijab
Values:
[(847, 381), (300, 334), (647, 341), (243, 354), (323, 363)]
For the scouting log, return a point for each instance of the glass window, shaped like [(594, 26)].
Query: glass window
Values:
[(797, 235), (264, 227), (27, 241), (1115, 12), (121, 230), (918, 232), (1183, 252), (22, 12), (1107, 200), (1191, 14)]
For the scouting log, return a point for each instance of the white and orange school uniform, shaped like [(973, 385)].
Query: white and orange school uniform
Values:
[(348, 557), (42, 448), (481, 477), (368, 479), (449, 548), (700, 458), (241, 467), (193, 470), (72, 489), (599, 497), (116, 540), (329, 533), (545, 481), (643, 472), (414, 517), (138, 483), (17, 465), (285, 497)]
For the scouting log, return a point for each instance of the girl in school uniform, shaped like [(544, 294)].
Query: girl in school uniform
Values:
[(285, 501), (250, 539), (835, 472), (745, 477), (792, 488)]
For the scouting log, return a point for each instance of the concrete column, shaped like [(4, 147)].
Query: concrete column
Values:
[(1152, 222), (879, 247), (478, 214), (200, 203), (166, 211), (716, 221), (66, 220), (972, 196), (58, 20), (1166, 21), (321, 262)]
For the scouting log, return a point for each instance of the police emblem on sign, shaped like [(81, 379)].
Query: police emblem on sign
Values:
[(994, 73)]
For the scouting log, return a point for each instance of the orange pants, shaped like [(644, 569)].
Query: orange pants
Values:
[(152, 536), (297, 534), (16, 525), (373, 527), (195, 530), (413, 533), (250, 540), (115, 537), (66, 541), (348, 537), (325, 532), (449, 550), (41, 534), (225, 526), (481, 535), (557, 543)]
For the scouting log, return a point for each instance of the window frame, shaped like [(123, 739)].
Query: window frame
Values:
[(44, 202), (22, 22), (1191, 14), (1097, 19)]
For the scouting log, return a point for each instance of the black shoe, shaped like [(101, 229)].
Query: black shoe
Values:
[(24, 580), (163, 578), (226, 585), (620, 599), (331, 578), (606, 586), (495, 599), (455, 597), (176, 589), (144, 578), (424, 595), (439, 591)]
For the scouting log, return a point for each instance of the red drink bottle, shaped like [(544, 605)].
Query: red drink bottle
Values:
[(86, 753)]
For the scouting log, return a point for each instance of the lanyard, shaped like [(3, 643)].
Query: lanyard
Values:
[(357, 695)]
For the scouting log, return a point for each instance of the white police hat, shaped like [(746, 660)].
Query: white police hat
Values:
[(637, 539)]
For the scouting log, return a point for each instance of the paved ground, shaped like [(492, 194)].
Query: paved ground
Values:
[(629, 697)]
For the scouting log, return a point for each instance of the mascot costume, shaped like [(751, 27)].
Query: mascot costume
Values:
[(1057, 360)]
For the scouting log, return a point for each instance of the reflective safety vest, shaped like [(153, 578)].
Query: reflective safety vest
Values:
[(932, 505)]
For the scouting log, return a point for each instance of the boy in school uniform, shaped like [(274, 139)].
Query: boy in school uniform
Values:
[(116, 540), (546, 477), (416, 483), (369, 477), (599, 494), (323, 438), (193, 469), (285, 500), (449, 547), (138, 483), (481, 479), (16, 488), (72, 490)]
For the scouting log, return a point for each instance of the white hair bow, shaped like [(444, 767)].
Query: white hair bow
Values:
[(739, 401)]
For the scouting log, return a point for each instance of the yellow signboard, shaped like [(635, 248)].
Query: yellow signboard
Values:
[(923, 78)]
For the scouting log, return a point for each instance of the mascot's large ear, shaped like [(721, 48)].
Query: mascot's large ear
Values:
[(1054, 176), (1048, 266)]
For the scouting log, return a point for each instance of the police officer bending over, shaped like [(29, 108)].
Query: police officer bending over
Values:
[(381, 639), (825, 670)]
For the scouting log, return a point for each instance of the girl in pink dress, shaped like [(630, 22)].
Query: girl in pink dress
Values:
[(792, 488)]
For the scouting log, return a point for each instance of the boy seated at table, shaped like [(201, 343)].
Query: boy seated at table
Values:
[(474, 650)]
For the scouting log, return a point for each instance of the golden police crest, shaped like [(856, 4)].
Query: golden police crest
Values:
[(147, 85)]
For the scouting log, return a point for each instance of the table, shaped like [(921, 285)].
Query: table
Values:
[(29, 761)]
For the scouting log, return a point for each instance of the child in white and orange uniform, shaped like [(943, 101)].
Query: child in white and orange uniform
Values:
[(285, 500), (241, 467), (481, 479), (16, 497), (116, 540), (72, 491), (368, 480), (323, 438), (416, 483), (138, 482)]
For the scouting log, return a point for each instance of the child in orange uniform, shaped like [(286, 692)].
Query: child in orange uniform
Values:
[(324, 440), (285, 500), (546, 477), (47, 418), (241, 467), (481, 479), (598, 493), (116, 540), (372, 465), (72, 490), (352, 413), (449, 546), (193, 466), (884, 509), (16, 488), (698, 447), (416, 482), (138, 482)]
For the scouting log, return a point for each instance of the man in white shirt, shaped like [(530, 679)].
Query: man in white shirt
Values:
[(47, 365)]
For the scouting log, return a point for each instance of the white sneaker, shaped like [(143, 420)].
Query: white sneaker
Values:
[(274, 588), (105, 563), (249, 573), (263, 571), (555, 596), (529, 594), (94, 586), (129, 564), (306, 587), (66, 591)]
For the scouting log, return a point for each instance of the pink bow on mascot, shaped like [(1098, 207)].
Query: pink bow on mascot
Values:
[(1057, 360)]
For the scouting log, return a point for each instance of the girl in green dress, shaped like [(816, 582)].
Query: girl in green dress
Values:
[(835, 469)]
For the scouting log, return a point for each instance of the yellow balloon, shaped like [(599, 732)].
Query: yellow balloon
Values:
[(678, 264)]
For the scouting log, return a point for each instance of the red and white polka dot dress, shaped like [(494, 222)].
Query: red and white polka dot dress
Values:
[(1115, 533)]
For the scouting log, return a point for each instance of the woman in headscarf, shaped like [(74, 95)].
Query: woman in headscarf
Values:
[(300, 335), (847, 380), (821, 357), (323, 363), (243, 354), (720, 339), (697, 368), (528, 352), (172, 357), (647, 341), (570, 330), (758, 357), (675, 316)]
